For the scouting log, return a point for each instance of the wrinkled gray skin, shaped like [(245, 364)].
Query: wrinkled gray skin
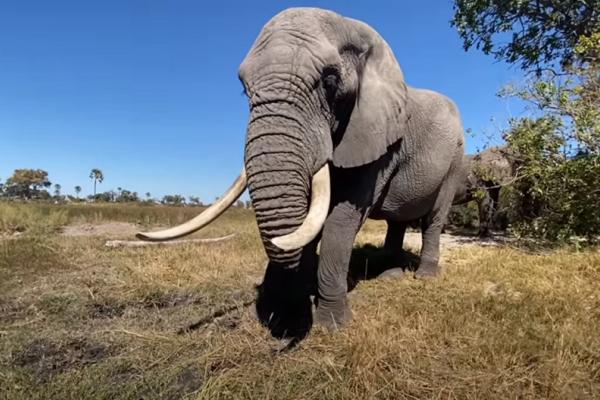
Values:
[(327, 89), (489, 171)]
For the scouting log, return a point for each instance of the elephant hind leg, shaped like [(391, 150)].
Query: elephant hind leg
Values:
[(392, 247), (431, 227), (430, 250), (394, 238)]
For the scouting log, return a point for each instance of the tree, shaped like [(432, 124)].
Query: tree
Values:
[(173, 199), (558, 151), (125, 195), (77, 191), (556, 148), (542, 32), (57, 188), (27, 183), (195, 200), (106, 197), (97, 176)]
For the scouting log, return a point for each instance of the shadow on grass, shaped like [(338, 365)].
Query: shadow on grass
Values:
[(288, 313), (369, 262), (286, 308)]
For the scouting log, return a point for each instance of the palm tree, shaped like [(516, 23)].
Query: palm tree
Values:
[(57, 188), (97, 176), (77, 191)]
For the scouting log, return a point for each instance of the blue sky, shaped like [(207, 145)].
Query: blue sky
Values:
[(148, 92)]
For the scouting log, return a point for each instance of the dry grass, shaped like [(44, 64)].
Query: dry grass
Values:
[(45, 217), (17, 218), (78, 320)]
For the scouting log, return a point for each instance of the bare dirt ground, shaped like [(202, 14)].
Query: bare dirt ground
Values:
[(412, 240), (449, 241), (108, 229)]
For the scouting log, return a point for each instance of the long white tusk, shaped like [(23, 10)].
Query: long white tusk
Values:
[(317, 213), (204, 218)]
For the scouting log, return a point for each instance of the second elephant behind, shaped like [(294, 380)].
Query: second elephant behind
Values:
[(484, 175)]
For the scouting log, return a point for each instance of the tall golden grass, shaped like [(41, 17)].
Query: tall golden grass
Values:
[(78, 320)]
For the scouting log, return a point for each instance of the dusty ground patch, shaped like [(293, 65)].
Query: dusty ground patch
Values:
[(45, 358), (108, 229)]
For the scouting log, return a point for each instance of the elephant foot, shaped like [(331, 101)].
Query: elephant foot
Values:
[(333, 316), (285, 318), (393, 273), (427, 271)]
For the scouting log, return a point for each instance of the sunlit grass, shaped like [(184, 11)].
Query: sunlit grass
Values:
[(18, 218), (79, 320)]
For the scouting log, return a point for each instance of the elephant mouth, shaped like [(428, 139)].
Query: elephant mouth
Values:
[(303, 235)]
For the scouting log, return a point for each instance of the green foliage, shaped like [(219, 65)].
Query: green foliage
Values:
[(526, 32), (484, 173), (127, 196), (27, 184), (96, 176), (464, 215), (195, 200), (104, 197), (556, 149), (558, 194), (173, 200), (558, 152), (57, 189)]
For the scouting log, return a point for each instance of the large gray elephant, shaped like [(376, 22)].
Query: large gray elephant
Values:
[(335, 136), (485, 174)]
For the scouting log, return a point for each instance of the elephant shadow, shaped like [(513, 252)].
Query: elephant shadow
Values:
[(370, 262), (285, 299)]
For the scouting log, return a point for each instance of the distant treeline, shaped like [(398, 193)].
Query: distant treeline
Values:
[(33, 184)]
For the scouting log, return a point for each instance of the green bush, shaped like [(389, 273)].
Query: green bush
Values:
[(464, 216)]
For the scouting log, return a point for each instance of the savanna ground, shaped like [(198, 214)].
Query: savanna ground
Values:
[(79, 320)]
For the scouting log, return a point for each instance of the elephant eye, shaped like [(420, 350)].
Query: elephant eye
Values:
[(331, 80)]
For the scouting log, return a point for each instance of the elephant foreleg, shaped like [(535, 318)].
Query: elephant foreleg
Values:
[(339, 232)]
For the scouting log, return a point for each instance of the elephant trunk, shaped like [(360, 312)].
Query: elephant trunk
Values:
[(280, 165)]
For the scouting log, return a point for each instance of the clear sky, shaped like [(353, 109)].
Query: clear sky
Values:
[(147, 91)]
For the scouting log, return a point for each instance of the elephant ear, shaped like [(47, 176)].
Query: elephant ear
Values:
[(379, 116)]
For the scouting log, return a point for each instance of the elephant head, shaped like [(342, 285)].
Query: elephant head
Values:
[(484, 175), (323, 90)]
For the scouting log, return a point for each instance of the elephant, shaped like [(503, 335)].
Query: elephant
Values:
[(484, 174), (335, 136)]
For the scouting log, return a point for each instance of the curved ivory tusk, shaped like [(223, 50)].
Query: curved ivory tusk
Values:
[(204, 218), (319, 207)]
